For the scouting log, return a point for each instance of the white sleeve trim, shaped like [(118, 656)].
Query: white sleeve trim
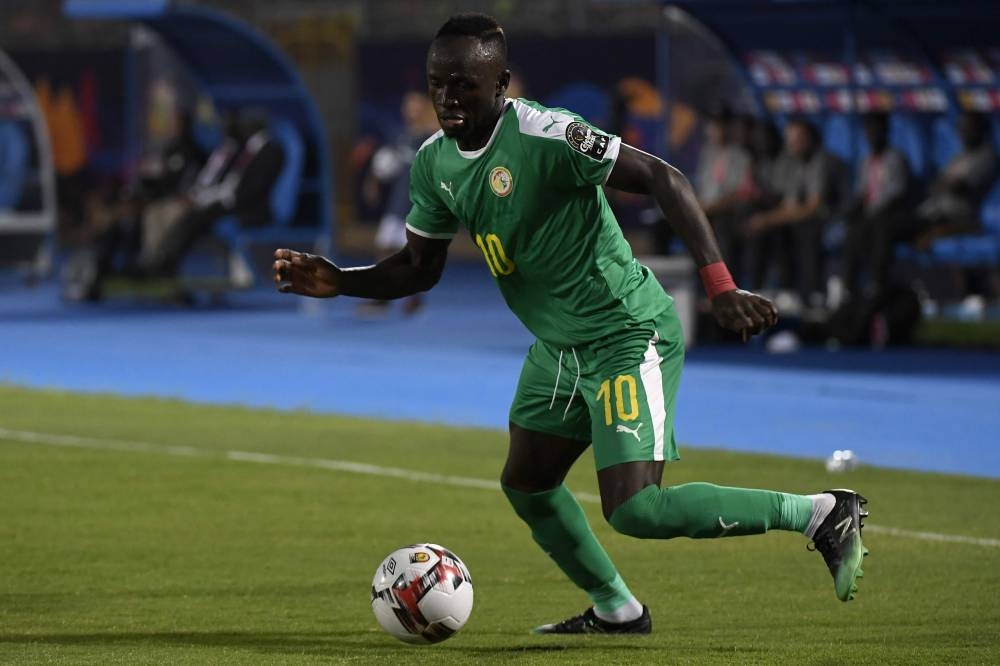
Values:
[(427, 234), (431, 139), (614, 147), (548, 124)]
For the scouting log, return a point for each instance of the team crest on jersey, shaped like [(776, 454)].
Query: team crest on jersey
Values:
[(585, 140), (501, 182)]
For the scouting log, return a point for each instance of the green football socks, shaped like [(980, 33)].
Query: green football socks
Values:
[(697, 510), (560, 527), (704, 510)]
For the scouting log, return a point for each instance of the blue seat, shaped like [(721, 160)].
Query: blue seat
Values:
[(944, 141), (15, 152), (907, 136), (285, 194), (970, 250), (979, 249), (839, 137)]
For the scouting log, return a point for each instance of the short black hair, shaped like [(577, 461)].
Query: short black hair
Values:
[(810, 127), (876, 120), (979, 121), (721, 114), (481, 26)]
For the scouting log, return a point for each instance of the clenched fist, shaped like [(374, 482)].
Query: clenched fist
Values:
[(305, 274)]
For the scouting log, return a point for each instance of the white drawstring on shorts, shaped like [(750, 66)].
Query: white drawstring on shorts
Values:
[(555, 389), (576, 382)]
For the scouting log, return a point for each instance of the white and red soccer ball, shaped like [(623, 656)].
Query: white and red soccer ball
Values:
[(422, 593)]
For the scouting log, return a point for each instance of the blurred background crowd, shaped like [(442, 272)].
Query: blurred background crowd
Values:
[(844, 152)]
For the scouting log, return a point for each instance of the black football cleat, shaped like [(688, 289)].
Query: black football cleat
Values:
[(838, 539), (589, 623)]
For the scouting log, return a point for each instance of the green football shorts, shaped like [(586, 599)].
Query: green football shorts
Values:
[(618, 392)]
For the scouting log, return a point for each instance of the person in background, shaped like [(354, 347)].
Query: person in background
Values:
[(878, 206), (228, 185), (770, 165), (769, 172), (792, 231), (390, 173), (957, 192), (175, 168), (162, 177), (724, 183), (952, 206), (743, 130)]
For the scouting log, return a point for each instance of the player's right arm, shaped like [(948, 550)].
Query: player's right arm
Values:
[(430, 226), (415, 268)]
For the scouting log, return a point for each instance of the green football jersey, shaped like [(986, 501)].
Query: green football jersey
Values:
[(532, 201)]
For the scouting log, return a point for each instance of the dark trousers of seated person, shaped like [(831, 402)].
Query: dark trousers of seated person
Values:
[(119, 244), (181, 237), (877, 242), (732, 241), (797, 252), (869, 248)]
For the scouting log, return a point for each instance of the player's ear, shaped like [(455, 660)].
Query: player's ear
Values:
[(503, 80)]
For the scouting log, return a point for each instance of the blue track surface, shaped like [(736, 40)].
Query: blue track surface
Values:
[(458, 363)]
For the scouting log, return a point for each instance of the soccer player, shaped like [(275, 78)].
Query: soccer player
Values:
[(526, 181)]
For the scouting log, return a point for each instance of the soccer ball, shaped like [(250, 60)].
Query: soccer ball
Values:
[(422, 593)]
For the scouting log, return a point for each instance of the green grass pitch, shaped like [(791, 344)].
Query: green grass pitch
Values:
[(196, 556)]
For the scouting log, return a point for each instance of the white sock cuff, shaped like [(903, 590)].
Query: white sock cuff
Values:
[(823, 504), (630, 610)]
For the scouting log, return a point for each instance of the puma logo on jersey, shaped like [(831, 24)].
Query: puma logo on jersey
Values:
[(552, 121), (845, 527), (634, 433), (726, 528), (447, 188)]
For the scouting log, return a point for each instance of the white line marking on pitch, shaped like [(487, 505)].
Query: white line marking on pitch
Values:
[(50, 439)]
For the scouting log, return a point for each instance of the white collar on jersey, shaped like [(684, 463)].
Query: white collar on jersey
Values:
[(473, 154)]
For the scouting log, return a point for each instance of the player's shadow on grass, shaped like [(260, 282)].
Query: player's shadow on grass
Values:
[(182, 638), (293, 642)]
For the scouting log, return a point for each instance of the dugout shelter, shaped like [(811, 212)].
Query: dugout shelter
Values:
[(237, 67)]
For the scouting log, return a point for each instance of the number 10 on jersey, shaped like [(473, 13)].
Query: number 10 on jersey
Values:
[(495, 256)]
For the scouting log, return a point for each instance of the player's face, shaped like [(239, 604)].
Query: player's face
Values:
[(466, 84)]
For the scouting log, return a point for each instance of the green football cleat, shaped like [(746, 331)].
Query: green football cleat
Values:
[(588, 623), (838, 539)]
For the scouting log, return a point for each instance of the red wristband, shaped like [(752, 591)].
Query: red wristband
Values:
[(716, 279)]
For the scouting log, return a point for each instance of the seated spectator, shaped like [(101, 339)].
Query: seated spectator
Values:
[(768, 173), (163, 176), (957, 192), (743, 132), (175, 168), (242, 188), (951, 207), (878, 207), (770, 165), (792, 231), (723, 182)]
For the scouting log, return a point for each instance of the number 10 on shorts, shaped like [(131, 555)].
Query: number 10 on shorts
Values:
[(626, 410)]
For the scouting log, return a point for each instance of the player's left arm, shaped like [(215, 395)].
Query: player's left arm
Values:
[(641, 173)]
